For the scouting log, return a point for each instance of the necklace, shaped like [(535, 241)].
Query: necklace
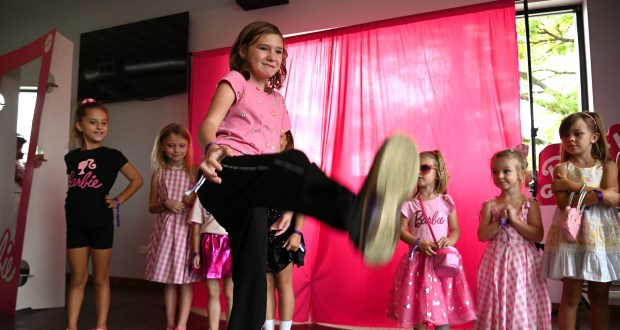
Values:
[(176, 168)]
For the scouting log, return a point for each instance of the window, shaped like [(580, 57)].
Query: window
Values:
[(558, 71)]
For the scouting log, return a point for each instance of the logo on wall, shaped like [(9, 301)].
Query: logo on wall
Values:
[(548, 158)]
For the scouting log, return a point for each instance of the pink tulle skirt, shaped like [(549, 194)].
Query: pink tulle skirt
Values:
[(216, 260), (421, 297)]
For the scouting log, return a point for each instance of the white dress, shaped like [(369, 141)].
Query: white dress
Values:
[(596, 254)]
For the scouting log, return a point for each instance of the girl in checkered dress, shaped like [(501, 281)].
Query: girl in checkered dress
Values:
[(512, 293), (169, 244)]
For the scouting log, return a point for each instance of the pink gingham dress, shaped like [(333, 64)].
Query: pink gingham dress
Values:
[(418, 295), (168, 257), (512, 293)]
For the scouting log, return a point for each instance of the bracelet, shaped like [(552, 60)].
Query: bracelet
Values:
[(599, 195), (415, 247), (298, 233), (208, 145), (196, 254), (118, 212), (163, 204)]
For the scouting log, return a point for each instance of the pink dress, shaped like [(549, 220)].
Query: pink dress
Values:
[(418, 295), (168, 254), (512, 293)]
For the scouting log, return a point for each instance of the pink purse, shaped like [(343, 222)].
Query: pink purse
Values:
[(447, 260), (570, 223)]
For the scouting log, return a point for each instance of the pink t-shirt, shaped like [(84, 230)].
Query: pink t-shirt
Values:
[(437, 209), (255, 121)]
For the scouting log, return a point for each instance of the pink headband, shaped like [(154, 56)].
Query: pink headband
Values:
[(86, 101), (521, 149), (593, 120)]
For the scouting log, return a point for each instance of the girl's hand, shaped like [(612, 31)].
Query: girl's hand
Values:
[(174, 206), (610, 197), (509, 213), (282, 224), (427, 247), (443, 242), (196, 262), (211, 162), (292, 243), (110, 201)]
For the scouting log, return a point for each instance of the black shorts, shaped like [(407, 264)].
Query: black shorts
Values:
[(96, 238)]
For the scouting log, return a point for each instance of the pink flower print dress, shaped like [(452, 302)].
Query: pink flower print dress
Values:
[(596, 254), (512, 293), (418, 296), (168, 259)]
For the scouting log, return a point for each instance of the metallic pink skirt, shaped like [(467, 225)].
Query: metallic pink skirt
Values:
[(216, 259)]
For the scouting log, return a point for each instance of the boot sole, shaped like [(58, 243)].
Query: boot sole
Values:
[(393, 178)]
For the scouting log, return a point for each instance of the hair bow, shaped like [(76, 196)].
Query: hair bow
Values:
[(521, 149), (86, 101)]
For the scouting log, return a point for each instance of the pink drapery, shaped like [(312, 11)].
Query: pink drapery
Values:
[(448, 78)]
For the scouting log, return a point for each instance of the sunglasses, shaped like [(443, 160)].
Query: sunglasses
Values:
[(425, 169)]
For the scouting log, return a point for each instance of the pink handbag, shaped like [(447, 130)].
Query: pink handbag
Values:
[(447, 260), (571, 218)]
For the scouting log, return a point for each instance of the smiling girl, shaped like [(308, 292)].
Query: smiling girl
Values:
[(92, 170)]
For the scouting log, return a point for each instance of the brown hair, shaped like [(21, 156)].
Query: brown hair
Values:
[(290, 142), (248, 36), (595, 124), (441, 185), (76, 138)]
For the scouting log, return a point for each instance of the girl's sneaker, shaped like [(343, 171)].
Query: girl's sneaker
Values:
[(375, 224)]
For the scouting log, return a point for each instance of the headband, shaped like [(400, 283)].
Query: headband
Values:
[(593, 120), (87, 101), (522, 149)]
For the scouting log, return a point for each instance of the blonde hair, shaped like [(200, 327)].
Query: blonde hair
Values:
[(520, 160), (595, 124), (441, 184), (159, 160), (76, 138)]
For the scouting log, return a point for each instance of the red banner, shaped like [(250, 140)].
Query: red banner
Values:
[(613, 139), (548, 158)]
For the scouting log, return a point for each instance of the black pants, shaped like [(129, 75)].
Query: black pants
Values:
[(285, 181)]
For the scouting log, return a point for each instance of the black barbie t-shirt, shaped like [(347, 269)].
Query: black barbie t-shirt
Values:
[(91, 174)]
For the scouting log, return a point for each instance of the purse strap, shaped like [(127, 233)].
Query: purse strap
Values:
[(426, 219), (582, 194)]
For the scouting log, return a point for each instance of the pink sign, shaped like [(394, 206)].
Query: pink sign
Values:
[(613, 139), (547, 159)]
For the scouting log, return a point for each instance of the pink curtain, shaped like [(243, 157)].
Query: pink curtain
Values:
[(448, 78)]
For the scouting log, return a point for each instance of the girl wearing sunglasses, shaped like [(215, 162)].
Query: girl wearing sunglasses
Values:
[(450, 300)]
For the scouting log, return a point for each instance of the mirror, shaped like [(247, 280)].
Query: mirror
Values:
[(29, 65)]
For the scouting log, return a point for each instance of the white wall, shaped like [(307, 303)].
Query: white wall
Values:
[(215, 24), (603, 54)]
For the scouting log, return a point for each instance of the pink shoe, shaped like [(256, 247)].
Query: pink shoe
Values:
[(170, 327)]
